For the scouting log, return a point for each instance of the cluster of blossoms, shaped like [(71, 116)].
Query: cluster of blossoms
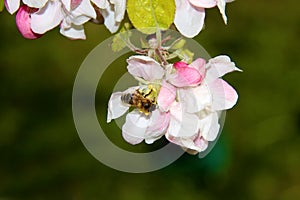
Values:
[(180, 101), (188, 101), (36, 17)]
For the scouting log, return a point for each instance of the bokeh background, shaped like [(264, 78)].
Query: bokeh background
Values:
[(257, 156)]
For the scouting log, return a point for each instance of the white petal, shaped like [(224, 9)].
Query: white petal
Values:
[(204, 3), (35, 3), (80, 20), (103, 4), (218, 67), (66, 4), (182, 124), (195, 99), (221, 5), (136, 124), (145, 67), (12, 5), (119, 7), (83, 12), (189, 20), (224, 95), (74, 32), (130, 139), (116, 108), (109, 19), (47, 17), (158, 125), (209, 126)]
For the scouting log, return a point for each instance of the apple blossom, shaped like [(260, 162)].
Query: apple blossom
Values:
[(207, 100), (138, 125), (188, 105)]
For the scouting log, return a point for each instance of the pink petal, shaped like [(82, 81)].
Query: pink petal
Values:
[(204, 3), (185, 76), (145, 67), (218, 67), (12, 5), (180, 64), (166, 96), (224, 96), (23, 23), (189, 20)]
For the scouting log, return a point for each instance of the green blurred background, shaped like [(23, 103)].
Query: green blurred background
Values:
[(257, 156)]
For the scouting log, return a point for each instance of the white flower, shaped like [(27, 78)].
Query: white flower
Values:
[(139, 126), (188, 103)]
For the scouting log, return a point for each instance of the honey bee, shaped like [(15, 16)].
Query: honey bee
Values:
[(143, 99)]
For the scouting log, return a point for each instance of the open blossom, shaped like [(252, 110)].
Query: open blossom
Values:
[(188, 102), (206, 101), (138, 125), (190, 15)]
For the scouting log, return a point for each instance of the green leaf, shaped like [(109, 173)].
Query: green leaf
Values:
[(1, 5), (149, 15), (121, 39)]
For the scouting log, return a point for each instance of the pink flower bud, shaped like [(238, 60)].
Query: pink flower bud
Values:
[(23, 23)]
